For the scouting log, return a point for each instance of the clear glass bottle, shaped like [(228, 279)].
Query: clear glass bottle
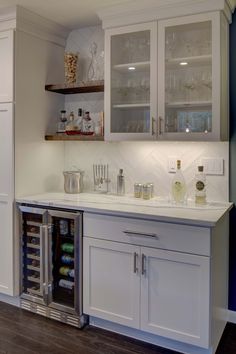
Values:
[(61, 125), (70, 124), (78, 121), (178, 186), (200, 186)]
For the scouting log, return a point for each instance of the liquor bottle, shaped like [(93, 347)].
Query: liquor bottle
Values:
[(87, 124), (178, 186), (70, 126), (78, 121), (200, 186), (61, 126)]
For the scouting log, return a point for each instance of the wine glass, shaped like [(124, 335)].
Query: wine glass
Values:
[(170, 44)]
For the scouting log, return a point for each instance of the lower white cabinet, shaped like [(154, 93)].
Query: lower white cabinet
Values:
[(111, 284), (6, 198), (175, 295), (159, 291)]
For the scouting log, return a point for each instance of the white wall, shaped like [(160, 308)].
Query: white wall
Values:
[(38, 164), (147, 162), (141, 161)]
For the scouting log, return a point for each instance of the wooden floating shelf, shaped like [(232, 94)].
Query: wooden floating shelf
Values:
[(65, 137), (82, 87)]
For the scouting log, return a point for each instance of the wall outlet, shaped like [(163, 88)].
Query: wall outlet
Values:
[(171, 167), (213, 166)]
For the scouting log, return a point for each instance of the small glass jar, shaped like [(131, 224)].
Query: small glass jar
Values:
[(147, 191), (152, 188), (138, 190)]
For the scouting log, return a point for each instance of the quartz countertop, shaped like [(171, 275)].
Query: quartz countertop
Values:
[(158, 209)]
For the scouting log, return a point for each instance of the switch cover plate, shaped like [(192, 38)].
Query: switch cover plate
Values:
[(213, 166), (172, 164)]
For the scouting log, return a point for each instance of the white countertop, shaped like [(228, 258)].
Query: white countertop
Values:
[(153, 209)]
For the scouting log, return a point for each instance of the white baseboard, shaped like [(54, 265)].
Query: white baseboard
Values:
[(12, 300), (232, 316)]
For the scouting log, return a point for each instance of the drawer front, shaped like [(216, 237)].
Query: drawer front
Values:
[(177, 237)]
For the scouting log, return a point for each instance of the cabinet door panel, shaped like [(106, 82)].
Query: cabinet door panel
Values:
[(130, 95), (6, 66), (6, 198), (6, 249), (111, 288), (189, 77), (175, 296), (6, 149)]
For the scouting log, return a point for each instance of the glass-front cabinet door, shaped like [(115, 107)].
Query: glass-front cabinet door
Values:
[(189, 80), (130, 81)]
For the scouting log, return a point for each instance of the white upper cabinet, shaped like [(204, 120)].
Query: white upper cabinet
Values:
[(170, 83), (130, 91), (192, 67), (6, 66)]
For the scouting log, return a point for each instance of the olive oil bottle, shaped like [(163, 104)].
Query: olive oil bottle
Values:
[(178, 186)]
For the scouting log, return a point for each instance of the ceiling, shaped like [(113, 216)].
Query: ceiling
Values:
[(71, 14)]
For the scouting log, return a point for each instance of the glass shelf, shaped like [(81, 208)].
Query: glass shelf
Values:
[(188, 104), (138, 67), (131, 105), (196, 60)]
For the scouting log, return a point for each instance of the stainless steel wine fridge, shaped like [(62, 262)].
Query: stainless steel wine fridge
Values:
[(51, 254)]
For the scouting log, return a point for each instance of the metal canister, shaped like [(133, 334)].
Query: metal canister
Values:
[(147, 191), (152, 188), (138, 190)]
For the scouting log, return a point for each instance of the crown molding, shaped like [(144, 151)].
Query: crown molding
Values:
[(21, 19), (138, 11), (8, 18), (27, 21), (231, 4)]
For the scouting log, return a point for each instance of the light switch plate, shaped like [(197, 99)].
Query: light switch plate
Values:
[(172, 164), (213, 166)]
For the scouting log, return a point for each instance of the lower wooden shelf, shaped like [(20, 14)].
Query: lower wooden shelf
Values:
[(65, 137)]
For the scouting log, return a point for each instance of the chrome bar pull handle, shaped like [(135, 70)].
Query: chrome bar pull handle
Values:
[(141, 234), (143, 264), (160, 120), (46, 260), (42, 259), (153, 125), (49, 256), (135, 262)]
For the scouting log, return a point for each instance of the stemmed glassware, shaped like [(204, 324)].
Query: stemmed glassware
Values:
[(171, 41)]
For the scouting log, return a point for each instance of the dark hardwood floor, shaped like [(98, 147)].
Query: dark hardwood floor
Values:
[(24, 332)]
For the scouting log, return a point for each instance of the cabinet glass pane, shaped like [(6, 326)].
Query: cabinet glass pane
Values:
[(188, 78), (63, 255), (130, 82)]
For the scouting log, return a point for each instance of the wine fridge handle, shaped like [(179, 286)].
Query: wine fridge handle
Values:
[(44, 263), (49, 261)]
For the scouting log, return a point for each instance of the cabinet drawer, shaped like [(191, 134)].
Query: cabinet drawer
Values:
[(177, 237)]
